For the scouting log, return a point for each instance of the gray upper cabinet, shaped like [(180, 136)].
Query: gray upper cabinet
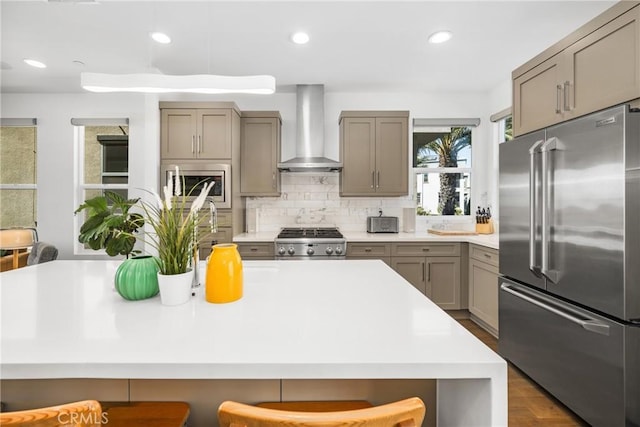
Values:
[(374, 151), (595, 67), (196, 133), (260, 153)]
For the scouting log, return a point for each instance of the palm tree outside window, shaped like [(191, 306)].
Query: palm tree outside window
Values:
[(442, 170)]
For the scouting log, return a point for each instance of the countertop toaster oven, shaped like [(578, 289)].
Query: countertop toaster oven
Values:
[(382, 224)]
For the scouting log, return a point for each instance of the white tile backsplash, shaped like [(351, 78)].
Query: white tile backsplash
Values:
[(312, 199)]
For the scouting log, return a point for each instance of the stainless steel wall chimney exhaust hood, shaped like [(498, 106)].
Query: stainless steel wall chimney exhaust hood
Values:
[(310, 133)]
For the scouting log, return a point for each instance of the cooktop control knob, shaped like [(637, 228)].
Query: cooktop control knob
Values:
[(281, 250), (338, 250), (329, 250), (310, 251), (291, 251)]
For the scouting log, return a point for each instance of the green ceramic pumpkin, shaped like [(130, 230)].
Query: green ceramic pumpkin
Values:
[(137, 278)]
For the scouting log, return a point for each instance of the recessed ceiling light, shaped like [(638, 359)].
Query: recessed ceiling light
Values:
[(440, 37), (35, 63), (300, 38), (161, 38)]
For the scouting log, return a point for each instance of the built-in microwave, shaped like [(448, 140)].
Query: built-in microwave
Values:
[(194, 174)]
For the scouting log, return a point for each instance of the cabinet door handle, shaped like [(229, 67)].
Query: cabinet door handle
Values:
[(373, 179), (273, 180), (199, 143), (425, 249), (567, 103), (367, 249), (487, 256), (378, 180), (558, 96), (428, 272), (193, 143), (422, 264), (253, 249)]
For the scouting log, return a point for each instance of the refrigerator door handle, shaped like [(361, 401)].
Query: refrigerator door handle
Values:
[(551, 144), (533, 202), (592, 325)]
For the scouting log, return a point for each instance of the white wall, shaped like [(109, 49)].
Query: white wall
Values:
[(499, 99), (55, 157), (55, 137)]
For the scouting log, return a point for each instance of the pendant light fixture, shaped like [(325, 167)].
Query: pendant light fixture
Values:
[(162, 83)]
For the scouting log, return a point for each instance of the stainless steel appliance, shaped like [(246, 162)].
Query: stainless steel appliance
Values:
[(197, 173), (310, 243), (569, 299), (382, 224), (309, 143)]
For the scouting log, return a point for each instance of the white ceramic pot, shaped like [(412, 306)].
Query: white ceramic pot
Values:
[(175, 289)]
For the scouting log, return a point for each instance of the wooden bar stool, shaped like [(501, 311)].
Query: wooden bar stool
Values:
[(138, 414), (91, 413), (86, 413), (404, 413)]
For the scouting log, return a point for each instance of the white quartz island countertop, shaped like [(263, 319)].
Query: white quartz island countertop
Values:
[(488, 240), (297, 319)]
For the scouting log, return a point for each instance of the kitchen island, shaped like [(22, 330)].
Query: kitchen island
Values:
[(303, 329)]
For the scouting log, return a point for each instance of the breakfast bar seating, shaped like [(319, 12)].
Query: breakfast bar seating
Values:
[(91, 413), (405, 413)]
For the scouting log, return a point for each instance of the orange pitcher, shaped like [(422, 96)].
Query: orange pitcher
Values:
[(224, 274)]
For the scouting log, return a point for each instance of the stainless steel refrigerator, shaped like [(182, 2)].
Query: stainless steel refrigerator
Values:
[(569, 281)]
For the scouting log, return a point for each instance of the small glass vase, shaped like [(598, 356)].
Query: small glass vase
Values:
[(224, 274), (137, 278), (175, 289)]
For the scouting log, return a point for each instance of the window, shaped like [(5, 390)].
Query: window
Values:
[(18, 172), (102, 153), (442, 169), (504, 120), (506, 129)]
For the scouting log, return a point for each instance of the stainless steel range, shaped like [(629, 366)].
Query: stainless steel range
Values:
[(310, 243)]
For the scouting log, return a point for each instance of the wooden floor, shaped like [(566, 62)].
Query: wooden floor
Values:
[(529, 405)]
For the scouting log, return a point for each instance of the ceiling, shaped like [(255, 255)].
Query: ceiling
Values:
[(356, 46)]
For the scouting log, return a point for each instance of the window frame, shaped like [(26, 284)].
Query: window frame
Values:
[(22, 123), (415, 171), (79, 176)]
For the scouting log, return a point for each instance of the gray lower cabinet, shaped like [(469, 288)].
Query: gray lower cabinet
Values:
[(434, 269), (483, 286), (256, 250), (360, 250)]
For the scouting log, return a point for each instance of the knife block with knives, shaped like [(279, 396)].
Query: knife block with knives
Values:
[(484, 223)]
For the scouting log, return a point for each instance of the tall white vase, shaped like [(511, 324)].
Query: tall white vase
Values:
[(175, 289)]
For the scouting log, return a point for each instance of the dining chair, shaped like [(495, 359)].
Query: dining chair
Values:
[(86, 413), (42, 252), (16, 240), (404, 413), (91, 413)]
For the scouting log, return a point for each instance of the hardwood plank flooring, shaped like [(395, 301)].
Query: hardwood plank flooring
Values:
[(529, 404)]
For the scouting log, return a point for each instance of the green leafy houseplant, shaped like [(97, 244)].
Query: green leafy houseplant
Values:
[(109, 225)]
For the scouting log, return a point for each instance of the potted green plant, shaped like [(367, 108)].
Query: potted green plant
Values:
[(110, 225), (175, 223)]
